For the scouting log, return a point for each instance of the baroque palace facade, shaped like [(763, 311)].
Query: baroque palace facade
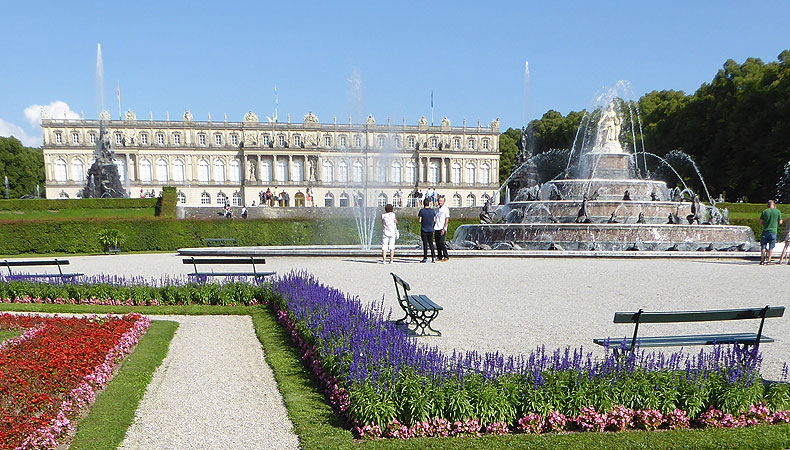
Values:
[(213, 163)]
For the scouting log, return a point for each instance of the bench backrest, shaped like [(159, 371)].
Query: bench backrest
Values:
[(49, 262), (400, 283), (217, 261), (698, 316)]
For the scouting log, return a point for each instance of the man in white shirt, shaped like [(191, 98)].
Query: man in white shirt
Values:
[(440, 229)]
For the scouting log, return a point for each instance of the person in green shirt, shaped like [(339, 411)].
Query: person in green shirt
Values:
[(770, 219)]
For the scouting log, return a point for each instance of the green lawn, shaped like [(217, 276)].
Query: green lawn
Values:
[(33, 214), (319, 428), (8, 334)]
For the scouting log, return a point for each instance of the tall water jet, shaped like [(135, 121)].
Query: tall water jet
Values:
[(526, 93), (99, 79)]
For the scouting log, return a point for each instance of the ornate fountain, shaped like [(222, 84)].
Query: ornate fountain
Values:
[(103, 178), (601, 202)]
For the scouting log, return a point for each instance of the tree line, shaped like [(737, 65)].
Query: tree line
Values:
[(24, 167), (736, 128)]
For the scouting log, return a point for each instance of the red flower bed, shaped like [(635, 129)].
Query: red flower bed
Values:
[(54, 369)]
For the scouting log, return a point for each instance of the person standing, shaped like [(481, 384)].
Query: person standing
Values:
[(427, 218), (389, 226), (787, 242), (440, 229), (770, 219)]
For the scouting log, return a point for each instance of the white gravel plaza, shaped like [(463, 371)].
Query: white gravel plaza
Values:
[(513, 305), (213, 390)]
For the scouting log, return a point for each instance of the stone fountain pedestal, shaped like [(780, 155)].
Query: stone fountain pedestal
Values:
[(609, 166)]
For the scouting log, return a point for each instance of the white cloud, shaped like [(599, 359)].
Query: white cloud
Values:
[(9, 129), (55, 110)]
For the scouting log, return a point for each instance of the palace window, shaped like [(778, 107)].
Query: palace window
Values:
[(178, 171), (177, 139), (434, 143), (411, 142), (381, 201), (202, 139), (329, 172), (121, 169), (485, 174), (234, 139), (471, 144), (63, 195), (358, 141), (342, 172), (236, 199), (145, 171), (298, 171), (457, 144), (397, 177), (329, 200), (219, 171), (470, 200), (327, 141), (282, 171), (92, 138), (344, 200), (160, 138), (75, 138), (485, 144), (397, 142), (118, 138), (218, 139), (161, 170), (433, 173), (222, 199), (281, 141), (203, 171), (143, 138), (77, 170), (343, 142), (58, 137), (457, 201), (266, 171), (205, 199), (265, 140), (358, 172), (411, 172), (470, 173), (455, 175), (381, 172), (297, 140), (381, 141), (235, 171), (182, 198)]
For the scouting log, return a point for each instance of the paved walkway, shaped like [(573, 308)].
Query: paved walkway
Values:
[(213, 390)]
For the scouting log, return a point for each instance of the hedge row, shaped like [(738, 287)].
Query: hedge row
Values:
[(82, 203), (753, 208)]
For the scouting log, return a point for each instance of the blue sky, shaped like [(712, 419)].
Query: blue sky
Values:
[(226, 57)]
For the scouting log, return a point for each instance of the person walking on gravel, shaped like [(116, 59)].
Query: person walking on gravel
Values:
[(427, 218), (770, 219), (440, 229)]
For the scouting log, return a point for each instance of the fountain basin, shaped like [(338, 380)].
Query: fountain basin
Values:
[(639, 190), (565, 211)]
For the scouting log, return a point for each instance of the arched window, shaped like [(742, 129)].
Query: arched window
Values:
[(235, 171), (485, 174), (359, 200), (121, 165), (222, 199), (456, 144), (297, 175), (266, 171), (344, 200), (145, 170), (282, 170), (203, 172), (205, 199), (456, 201), (219, 171), (411, 172), (471, 144), (485, 144), (470, 200), (359, 172), (455, 175), (397, 173), (381, 172), (161, 170), (182, 198), (433, 173), (77, 170), (178, 171), (329, 199), (470, 173), (342, 175), (329, 174), (484, 198), (61, 171), (63, 195), (236, 199), (381, 201)]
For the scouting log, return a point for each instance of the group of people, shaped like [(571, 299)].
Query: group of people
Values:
[(433, 229), (416, 197), (273, 198)]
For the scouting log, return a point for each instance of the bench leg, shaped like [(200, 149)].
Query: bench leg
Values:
[(423, 320)]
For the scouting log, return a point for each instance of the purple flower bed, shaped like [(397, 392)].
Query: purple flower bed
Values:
[(387, 385)]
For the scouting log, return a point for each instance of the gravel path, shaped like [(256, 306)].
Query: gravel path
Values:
[(213, 390)]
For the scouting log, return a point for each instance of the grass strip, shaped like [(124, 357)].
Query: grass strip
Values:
[(183, 310), (8, 334), (113, 412)]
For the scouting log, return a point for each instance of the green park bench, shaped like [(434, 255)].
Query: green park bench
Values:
[(220, 242), (195, 262), (54, 262), (419, 309), (642, 316)]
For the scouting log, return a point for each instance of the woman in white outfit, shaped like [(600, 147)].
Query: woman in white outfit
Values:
[(389, 225)]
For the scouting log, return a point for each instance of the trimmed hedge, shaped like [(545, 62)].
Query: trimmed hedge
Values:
[(81, 203), (166, 204)]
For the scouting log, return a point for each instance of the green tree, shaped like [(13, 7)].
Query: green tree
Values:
[(508, 148), (23, 166)]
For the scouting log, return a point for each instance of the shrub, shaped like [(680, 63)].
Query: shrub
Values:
[(90, 203)]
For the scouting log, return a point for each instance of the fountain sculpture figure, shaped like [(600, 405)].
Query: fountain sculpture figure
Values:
[(103, 177)]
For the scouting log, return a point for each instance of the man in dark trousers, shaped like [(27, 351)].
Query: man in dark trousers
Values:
[(440, 229), (427, 218)]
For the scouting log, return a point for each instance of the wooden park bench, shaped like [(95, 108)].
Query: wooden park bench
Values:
[(54, 262), (195, 262), (419, 309), (220, 242), (642, 316)]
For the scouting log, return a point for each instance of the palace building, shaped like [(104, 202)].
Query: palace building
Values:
[(214, 163)]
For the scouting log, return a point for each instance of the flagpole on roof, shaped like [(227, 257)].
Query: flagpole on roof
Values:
[(431, 107)]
